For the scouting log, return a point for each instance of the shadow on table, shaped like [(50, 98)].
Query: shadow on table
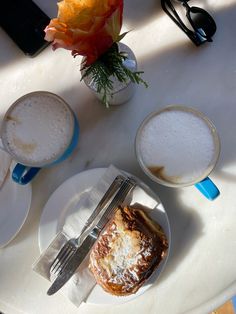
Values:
[(204, 81), (186, 229), (144, 12), (167, 85), (185, 224), (211, 63)]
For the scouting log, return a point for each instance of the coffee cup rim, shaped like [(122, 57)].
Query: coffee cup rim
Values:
[(3, 125), (194, 111)]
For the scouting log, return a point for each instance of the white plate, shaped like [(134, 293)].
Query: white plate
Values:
[(15, 201), (61, 204)]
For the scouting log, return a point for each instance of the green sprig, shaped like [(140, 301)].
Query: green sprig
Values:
[(110, 64)]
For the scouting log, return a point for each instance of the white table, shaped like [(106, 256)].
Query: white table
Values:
[(201, 273)]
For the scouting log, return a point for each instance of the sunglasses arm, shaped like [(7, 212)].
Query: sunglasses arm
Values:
[(197, 40)]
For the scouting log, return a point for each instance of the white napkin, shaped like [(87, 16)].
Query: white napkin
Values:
[(78, 288), (5, 161), (82, 282)]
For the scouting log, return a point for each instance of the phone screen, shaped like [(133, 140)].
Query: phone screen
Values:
[(24, 22)]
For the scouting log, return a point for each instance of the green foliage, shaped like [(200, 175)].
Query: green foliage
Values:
[(110, 64)]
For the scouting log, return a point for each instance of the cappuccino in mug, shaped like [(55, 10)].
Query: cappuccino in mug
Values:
[(38, 128), (177, 146)]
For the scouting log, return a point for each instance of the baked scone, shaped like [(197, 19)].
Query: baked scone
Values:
[(127, 252)]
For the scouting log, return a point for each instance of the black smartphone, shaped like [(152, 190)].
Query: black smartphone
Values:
[(24, 22)]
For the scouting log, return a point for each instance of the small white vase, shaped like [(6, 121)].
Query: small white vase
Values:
[(122, 92)]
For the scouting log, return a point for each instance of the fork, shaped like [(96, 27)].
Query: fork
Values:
[(70, 247), (70, 265)]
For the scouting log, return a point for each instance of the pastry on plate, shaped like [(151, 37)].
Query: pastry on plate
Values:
[(127, 252)]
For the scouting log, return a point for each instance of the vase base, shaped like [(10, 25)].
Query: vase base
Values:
[(122, 92)]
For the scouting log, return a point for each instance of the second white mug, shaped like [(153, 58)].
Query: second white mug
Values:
[(179, 146)]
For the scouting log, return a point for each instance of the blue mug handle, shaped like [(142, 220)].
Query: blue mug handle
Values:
[(208, 188), (22, 174)]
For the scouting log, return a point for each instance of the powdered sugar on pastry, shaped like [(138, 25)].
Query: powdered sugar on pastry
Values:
[(127, 252)]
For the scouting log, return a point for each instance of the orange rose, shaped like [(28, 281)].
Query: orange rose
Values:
[(86, 27)]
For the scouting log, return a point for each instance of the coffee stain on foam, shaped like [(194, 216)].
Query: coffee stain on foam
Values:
[(159, 172), (26, 148), (11, 118)]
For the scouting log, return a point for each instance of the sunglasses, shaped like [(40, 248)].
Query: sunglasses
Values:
[(204, 27)]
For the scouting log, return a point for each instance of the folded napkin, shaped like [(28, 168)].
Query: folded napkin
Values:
[(78, 288), (5, 161)]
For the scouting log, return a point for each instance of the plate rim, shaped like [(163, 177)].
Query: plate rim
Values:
[(52, 196), (28, 199)]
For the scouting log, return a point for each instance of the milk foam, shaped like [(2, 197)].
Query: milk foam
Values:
[(180, 144), (38, 128)]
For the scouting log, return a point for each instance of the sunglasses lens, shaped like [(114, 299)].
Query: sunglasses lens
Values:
[(202, 22)]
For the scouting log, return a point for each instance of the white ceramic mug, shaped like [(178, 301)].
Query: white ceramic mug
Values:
[(179, 146), (38, 130)]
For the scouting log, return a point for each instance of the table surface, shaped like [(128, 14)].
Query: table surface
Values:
[(200, 274)]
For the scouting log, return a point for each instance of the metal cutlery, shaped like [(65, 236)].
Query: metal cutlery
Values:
[(70, 246), (75, 251)]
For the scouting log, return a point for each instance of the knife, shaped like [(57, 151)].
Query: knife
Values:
[(102, 204), (69, 248), (84, 248)]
